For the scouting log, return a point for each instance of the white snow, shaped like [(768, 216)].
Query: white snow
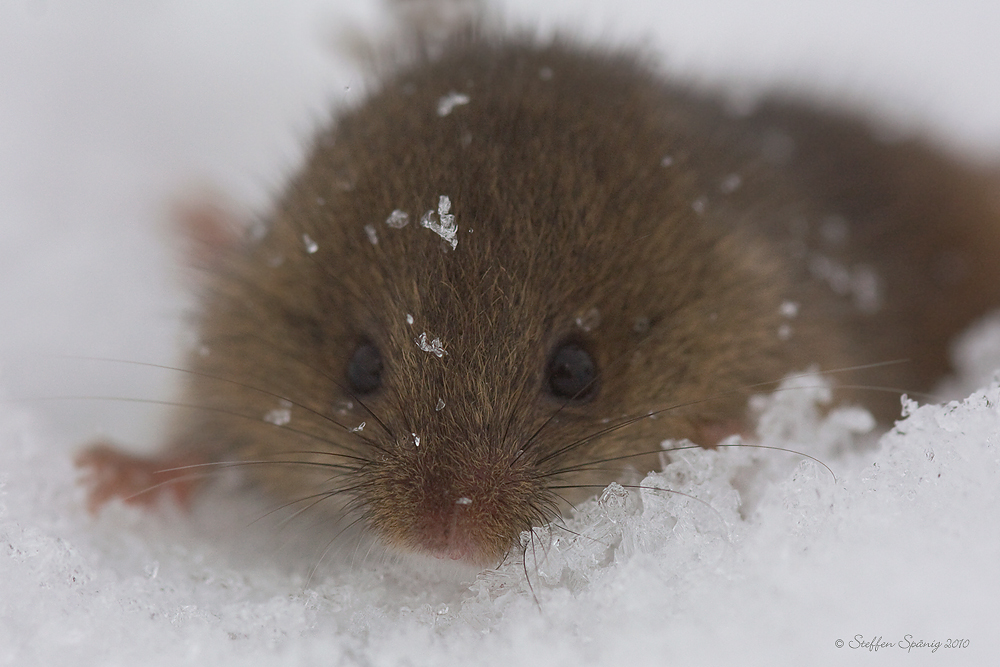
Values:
[(398, 219), (789, 309), (430, 345), (589, 320), (448, 103), (444, 224), (110, 110), (730, 184), (372, 234), (310, 245), (278, 416)]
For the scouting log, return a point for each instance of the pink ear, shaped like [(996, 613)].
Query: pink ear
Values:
[(209, 227)]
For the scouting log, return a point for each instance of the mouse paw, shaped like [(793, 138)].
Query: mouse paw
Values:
[(110, 473)]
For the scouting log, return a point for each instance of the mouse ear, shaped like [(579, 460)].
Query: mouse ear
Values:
[(435, 21), (413, 28), (209, 228)]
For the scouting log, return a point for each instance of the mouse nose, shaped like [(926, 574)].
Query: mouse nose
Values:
[(467, 526), (456, 537), (471, 510)]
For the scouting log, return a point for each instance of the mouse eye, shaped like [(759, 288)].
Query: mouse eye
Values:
[(572, 373), (364, 370)]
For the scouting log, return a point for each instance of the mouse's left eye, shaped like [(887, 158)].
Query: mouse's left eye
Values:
[(572, 373), (364, 370)]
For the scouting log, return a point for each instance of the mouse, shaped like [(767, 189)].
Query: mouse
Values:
[(498, 283)]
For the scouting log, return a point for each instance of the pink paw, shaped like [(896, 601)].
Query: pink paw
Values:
[(110, 473)]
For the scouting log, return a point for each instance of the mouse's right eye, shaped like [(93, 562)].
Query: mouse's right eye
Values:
[(364, 370), (572, 374)]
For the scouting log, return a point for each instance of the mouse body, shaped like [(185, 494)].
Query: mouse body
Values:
[(475, 302)]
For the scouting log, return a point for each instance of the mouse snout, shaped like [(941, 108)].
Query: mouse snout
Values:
[(452, 500)]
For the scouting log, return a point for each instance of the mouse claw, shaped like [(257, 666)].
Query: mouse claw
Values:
[(111, 473)]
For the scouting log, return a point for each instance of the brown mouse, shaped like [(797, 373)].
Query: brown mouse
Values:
[(489, 272)]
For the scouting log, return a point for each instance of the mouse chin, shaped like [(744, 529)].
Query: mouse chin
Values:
[(464, 534), (467, 536)]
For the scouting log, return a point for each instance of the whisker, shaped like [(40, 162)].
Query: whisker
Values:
[(652, 488), (236, 464), (206, 408), (925, 395), (366, 300), (588, 464), (276, 302), (742, 390), (322, 496), (315, 497), (244, 385), (771, 447), (524, 565), (173, 480), (211, 469), (371, 544), (555, 525), (329, 545), (620, 359), (561, 497), (530, 440)]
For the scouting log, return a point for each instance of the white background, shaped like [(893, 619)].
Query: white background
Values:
[(111, 110)]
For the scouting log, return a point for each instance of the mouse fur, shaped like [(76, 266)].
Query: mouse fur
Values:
[(688, 252)]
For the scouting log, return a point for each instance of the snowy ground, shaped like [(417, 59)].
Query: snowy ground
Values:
[(108, 112)]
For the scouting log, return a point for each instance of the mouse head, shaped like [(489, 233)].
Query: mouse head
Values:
[(488, 264)]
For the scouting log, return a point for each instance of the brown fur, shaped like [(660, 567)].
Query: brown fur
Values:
[(565, 208)]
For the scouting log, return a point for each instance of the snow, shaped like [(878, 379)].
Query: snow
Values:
[(448, 103), (903, 541), (398, 219), (430, 345), (110, 111), (280, 416), (310, 245), (444, 226), (589, 320), (730, 184)]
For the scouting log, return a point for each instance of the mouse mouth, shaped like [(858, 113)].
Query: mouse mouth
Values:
[(464, 532), (458, 535), (476, 517)]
